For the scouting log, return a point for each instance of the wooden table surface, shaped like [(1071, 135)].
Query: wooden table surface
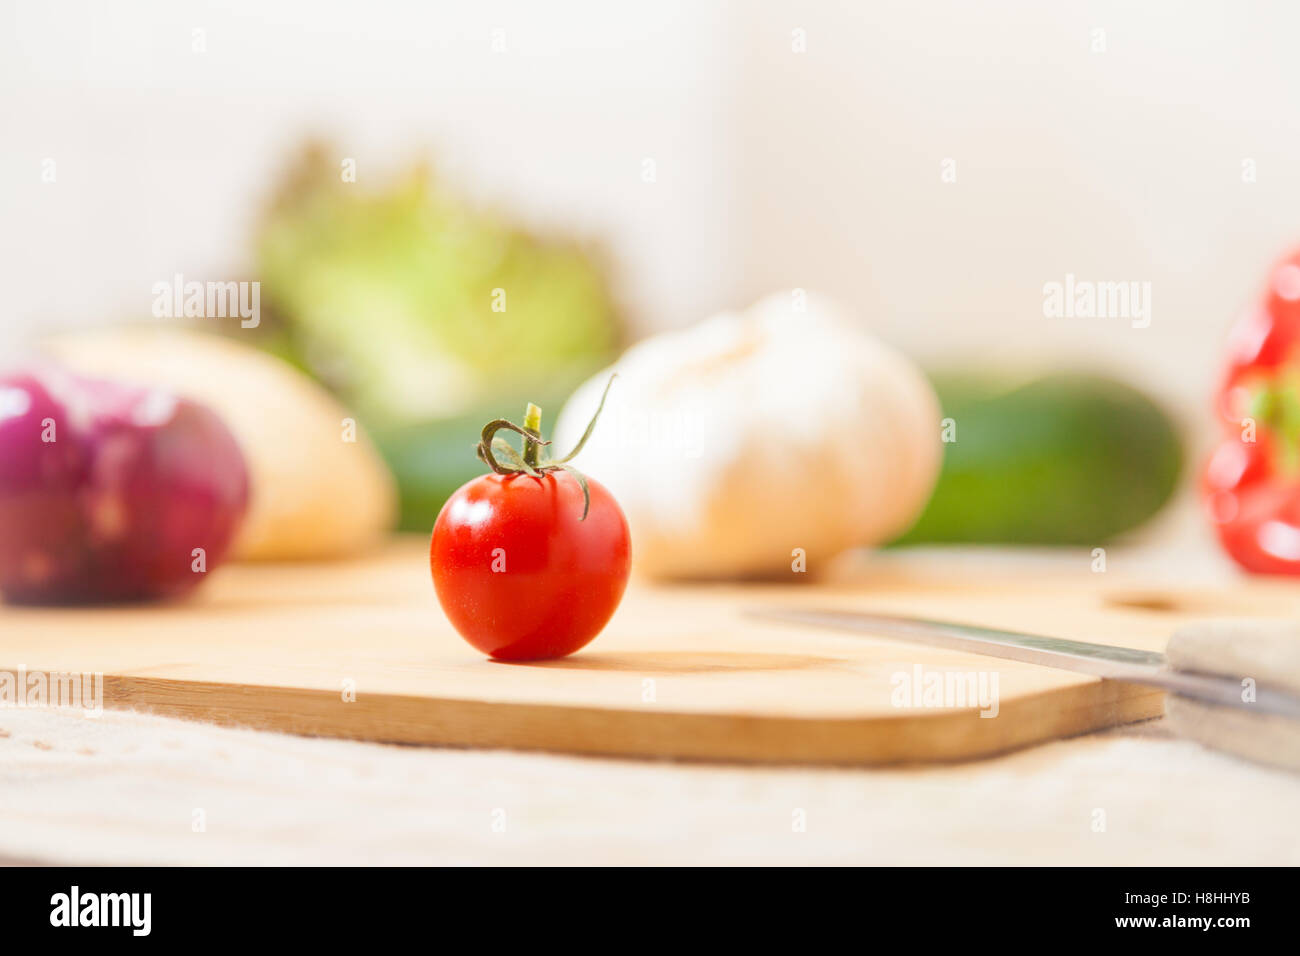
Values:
[(133, 788), (136, 789)]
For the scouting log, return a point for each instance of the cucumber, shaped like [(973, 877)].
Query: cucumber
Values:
[(1065, 459)]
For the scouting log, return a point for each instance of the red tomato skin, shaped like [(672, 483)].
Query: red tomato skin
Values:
[(1254, 509), (557, 579), (1252, 488)]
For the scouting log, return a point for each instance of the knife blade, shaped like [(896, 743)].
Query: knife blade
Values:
[(1127, 664)]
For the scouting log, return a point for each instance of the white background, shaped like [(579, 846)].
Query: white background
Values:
[(775, 169)]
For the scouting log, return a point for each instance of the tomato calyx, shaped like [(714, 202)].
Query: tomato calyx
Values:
[(533, 460), (1275, 406)]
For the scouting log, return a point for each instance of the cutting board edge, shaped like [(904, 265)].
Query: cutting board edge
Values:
[(938, 737)]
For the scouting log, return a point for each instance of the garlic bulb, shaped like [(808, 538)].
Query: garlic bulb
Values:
[(759, 443)]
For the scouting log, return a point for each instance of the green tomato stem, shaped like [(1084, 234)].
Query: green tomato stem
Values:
[(533, 426), (489, 446)]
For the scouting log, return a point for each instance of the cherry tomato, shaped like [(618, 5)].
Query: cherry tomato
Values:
[(1252, 482), (519, 571)]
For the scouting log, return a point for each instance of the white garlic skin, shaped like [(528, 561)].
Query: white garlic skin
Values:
[(736, 441)]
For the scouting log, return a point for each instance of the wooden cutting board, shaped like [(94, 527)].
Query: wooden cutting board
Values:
[(678, 673)]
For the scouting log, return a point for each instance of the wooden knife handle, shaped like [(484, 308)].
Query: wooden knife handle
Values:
[(1260, 653)]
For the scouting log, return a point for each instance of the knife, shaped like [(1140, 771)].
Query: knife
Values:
[(1126, 664)]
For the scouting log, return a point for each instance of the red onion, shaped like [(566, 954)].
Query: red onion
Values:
[(110, 492)]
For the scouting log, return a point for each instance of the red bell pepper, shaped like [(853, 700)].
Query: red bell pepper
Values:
[(1252, 481)]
